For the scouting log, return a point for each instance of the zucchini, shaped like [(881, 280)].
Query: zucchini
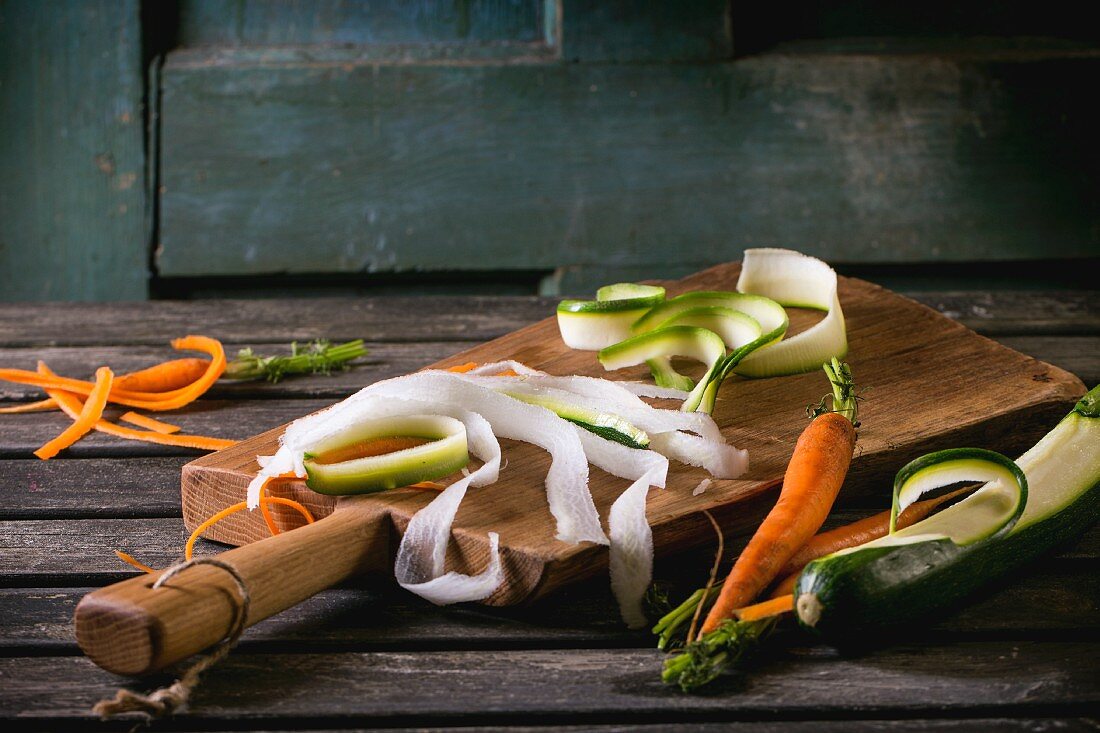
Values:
[(794, 280), (443, 454), (931, 566), (690, 341), (603, 424), (593, 324), (735, 328), (768, 314)]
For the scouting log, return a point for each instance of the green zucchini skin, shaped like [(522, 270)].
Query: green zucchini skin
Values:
[(878, 589)]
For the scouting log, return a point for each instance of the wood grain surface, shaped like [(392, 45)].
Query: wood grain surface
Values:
[(931, 382), (63, 517)]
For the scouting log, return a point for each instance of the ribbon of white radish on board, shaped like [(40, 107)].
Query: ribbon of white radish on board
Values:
[(707, 449), (480, 402), (567, 480), (631, 552), (793, 279), (422, 554)]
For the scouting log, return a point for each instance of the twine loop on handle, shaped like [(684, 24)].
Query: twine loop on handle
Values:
[(167, 700)]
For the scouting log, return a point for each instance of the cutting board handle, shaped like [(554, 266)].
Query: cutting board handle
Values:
[(131, 628)]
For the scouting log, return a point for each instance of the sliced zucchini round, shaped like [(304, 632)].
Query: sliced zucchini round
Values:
[(443, 454)]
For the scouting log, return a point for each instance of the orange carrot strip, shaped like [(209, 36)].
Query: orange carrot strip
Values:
[(40, 406), (471, 365), (130, 559), (189, 549), (164, 377), (426, 486), (772, 607), (149, 423), (297, 506), (72, 406), (155, 401), (85, 420), (372, 447), (810, 485), (463, 368)]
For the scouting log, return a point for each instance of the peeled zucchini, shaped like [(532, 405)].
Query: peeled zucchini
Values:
[(914, 574)]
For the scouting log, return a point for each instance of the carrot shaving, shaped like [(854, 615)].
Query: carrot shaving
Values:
[(471, 365), (164, 377), (72, 406), (463, 368), (297, 506), (771, 607), (189, 548), (367, 448), (40, 406), (154, 401), (426, 486), (131, 560), (84, 421), (149, 423)]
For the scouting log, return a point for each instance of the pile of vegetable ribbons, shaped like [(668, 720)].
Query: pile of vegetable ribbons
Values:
[(578, 420)]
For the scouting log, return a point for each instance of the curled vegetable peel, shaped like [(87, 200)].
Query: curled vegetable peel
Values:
[(516, 407)]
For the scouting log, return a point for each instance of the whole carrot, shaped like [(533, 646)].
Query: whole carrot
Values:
[(813, 478)]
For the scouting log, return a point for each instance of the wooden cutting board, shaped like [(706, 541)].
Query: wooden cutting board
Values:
[(929, 383)]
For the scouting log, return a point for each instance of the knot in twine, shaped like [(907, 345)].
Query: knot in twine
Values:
[(167, 700)]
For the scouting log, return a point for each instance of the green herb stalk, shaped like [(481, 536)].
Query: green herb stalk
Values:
[(316, 357)]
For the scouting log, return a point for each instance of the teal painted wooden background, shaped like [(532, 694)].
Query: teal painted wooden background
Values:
[(574, 139), (72, 193)]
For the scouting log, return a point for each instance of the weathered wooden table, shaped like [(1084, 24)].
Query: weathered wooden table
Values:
[(370, 655)]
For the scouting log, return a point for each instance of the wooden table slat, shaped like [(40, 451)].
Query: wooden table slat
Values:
[(964, 679)]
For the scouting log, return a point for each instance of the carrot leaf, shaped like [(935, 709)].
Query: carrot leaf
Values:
[(701, 661)]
